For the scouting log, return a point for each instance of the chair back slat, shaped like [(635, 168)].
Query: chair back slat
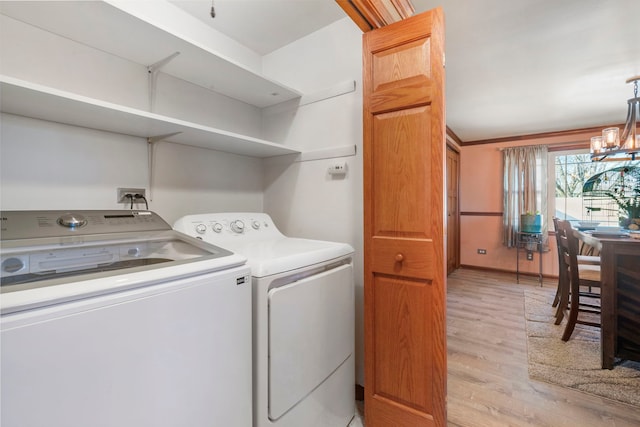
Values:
[(568, 250), (564, 258)]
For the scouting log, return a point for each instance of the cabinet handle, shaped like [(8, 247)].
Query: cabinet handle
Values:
[(399, 257)]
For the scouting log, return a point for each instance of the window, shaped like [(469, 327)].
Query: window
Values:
[(525, 188), (568, 172)]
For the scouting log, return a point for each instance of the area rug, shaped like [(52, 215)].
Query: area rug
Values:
[(575, 364)]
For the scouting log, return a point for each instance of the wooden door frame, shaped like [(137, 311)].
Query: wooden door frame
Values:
[(371, 14), (456, 150)]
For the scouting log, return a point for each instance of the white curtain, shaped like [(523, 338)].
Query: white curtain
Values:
[(525, 188)]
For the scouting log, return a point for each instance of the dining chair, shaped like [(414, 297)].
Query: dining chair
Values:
[(563, 272), (561, 301), (563, 268), (572, 298)]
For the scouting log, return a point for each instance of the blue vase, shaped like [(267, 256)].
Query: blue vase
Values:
[(531, 223)]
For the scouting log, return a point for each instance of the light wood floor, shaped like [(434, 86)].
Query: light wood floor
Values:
[(488, 383)]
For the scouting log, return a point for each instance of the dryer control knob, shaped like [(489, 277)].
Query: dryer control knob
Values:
[(217, 227), (255, 224), (201, 228), (237, 226)]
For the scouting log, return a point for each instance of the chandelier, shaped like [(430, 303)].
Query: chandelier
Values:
[(627, 145)]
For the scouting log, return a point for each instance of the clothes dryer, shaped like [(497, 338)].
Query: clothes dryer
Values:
[(303, 319)]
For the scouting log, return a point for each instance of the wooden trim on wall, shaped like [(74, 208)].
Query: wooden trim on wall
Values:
[(452, 135), (371, 14), (594, 130), (359, 392), (453, 147), (481, 213), (500, 270), (355, 15)]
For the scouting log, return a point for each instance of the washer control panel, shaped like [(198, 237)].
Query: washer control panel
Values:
[(41, 224)]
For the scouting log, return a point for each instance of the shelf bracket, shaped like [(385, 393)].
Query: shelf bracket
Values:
[(152, 71), (151, 154), (336, 90)]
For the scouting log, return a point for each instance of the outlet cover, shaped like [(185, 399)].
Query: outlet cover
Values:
[(122, 192), (482, 251), (529, 256)]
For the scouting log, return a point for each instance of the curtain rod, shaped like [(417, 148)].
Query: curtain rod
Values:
[(524, 146), (558, 146)]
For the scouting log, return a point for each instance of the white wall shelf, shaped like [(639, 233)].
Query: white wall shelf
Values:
[(327, 153), (146, 32), (40, 102)]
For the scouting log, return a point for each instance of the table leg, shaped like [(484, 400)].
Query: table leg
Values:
[(540, 255), (608, 290), (518, 262)]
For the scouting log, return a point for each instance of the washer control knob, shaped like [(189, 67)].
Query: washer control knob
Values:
[(12, 265), (217, 227), (133, 252), (255, 224), (72, 220), (201, 228), (237, 226)]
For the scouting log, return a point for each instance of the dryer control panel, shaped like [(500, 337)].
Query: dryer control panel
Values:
[(229, 226)]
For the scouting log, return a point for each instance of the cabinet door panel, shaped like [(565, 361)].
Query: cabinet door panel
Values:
[(404, 200), (401, 337), (401, 173)]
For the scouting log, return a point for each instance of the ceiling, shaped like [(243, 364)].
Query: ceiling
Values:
[(512, 67)]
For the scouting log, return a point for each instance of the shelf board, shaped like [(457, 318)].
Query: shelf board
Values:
[(40, 102), (148, 37)]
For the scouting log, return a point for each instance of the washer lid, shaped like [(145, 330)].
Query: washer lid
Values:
[(49, 274), (274, 256)]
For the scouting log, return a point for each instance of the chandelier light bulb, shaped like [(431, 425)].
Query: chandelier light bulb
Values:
[(612, 143), (611, 138), (596, 145)]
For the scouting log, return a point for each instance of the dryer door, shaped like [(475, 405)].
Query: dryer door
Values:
[(311, 333)]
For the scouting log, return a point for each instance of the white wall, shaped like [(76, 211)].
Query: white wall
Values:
[(52, 166), (31, 54), (301, 197), (45, 165), (191, 180)]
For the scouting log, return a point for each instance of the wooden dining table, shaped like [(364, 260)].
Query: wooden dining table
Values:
[(620, 295)]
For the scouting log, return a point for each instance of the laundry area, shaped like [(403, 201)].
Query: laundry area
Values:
[(133, 136)]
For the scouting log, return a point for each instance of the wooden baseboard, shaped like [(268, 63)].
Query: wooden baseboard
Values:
[(359, 392), (499, 270)]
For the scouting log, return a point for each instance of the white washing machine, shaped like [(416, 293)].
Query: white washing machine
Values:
[(112, 319), (303, 319)]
